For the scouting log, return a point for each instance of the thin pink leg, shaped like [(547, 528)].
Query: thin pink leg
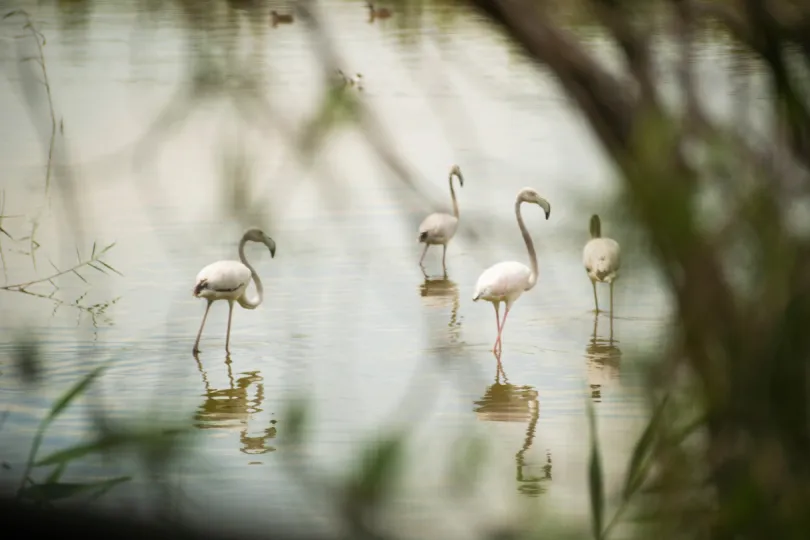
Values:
[(424, 252), (497, 323), (503, 323)]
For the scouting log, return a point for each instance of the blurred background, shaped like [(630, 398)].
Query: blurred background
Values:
[(140, 139)]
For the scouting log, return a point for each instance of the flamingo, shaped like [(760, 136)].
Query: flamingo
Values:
[(228, 280), (439, 228), (601, 257), (506, 281)]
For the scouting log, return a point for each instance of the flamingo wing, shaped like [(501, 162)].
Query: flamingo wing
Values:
[(222, 277), (502, 280), (438, 227)]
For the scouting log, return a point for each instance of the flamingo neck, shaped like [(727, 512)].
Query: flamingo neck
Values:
[(244, 301), (453, 196), (529, 246)]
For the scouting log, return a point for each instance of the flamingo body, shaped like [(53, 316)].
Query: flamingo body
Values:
[(438, 229), (601, 257), (222, 280), (602, 260), (503, 282)]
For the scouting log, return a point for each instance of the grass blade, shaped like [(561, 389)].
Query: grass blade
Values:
[(595, 480), (635, 476), (96, 268), (79, 275), (110, 267), (82, 449), (56, 491), (71, 394), (56, 474)]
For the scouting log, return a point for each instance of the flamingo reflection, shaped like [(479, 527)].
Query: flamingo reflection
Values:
[(232, 407), (603, 358), (442, 293), (505, 402)]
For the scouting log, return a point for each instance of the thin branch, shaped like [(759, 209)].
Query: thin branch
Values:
[(20, 287)]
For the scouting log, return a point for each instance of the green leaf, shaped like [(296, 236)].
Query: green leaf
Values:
[(56, 474), (154, 441), (595, 479), (56, 491), (80, 450), (96, 268), (71, 394), (467, 458), (295, 418), (110, 267), (380, 470), (635, 474)]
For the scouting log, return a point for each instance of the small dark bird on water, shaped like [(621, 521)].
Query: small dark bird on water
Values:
[(276, 18), (374, 13)]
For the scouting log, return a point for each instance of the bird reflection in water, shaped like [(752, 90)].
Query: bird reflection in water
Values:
[(230, 407), (603, 358), (505, 402), (443, 293)]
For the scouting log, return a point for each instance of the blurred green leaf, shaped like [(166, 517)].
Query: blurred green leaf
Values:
[(635, 473), (157, 442), (56, 474), (74, 392), (56, 491), (467, 458), (595, 480), (381, 465), (294, 419)]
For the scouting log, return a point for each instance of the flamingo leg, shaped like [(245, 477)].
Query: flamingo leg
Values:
[(611, 299), (228, 336), (595, 298), (503, 323), (424, 252), (444, 255), (498, 341), (497, 306), (196, 348)]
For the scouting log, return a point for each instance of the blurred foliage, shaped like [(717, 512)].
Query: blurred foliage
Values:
[(724, 453)]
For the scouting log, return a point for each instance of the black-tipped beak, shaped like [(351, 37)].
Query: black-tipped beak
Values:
[(548, 214), (271, 245)]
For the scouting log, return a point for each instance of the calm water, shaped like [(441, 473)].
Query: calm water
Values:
[(349, 322)]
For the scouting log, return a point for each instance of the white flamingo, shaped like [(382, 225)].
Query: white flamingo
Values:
[(439, 228), (228, 280), (602, 258), (506, 281)]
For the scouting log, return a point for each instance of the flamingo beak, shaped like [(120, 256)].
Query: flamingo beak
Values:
[(271, 245)]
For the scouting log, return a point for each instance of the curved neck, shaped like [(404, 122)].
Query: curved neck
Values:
[(453, 196), (244, 301), (529, 246)]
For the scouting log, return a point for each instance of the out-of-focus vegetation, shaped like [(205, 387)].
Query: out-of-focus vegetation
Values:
[(725, 452)]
